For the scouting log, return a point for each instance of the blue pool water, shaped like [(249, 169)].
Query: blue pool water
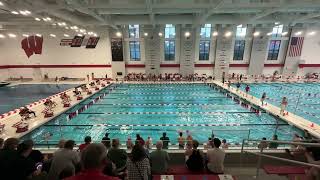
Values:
[(128, 107), (16, 96), (303, 98)]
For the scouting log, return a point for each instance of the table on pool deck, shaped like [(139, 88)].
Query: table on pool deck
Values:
[(291, 118), (35, 122)]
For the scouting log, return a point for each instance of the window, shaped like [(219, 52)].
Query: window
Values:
[(274, 48), (277, 31), (205, 31), (169, 48), (241, 31), (134, 50), (169, 43), (204, 49), (238, 49), (170, 31), (134, 31), (204, 45)]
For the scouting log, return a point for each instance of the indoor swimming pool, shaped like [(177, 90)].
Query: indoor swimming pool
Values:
[(303, 98), (12, 97), (151, 109)]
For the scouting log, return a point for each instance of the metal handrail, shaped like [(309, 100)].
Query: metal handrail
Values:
[(288, 142), (285, 160)]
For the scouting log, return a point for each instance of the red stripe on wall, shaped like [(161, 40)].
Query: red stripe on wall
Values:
[(58, 66), (308, 65), (273, 65), (135, 65), (238, 65), (169, 65), (203, 65)]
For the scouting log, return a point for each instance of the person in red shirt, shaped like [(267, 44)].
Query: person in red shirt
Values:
[(94, 160), (87, 141), (247, 90)]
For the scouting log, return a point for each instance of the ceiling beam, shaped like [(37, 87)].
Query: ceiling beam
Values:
[(208, 12), (306, 17)]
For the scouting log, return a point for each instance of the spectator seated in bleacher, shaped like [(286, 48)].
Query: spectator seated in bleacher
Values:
[(64, 159), (25, 113), (138, 165), (93, 161), (215, 157), (159, 160), (194, 157), (87, 141), (118, 156)]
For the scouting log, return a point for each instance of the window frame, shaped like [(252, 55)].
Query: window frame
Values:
[(273, 50)]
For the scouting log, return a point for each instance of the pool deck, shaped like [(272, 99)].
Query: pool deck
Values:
[(291, 118), (13, 117)]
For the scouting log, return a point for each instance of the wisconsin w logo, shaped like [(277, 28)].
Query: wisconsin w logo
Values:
[(32, 45)]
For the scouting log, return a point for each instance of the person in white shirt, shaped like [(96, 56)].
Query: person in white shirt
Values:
[(215, 158)]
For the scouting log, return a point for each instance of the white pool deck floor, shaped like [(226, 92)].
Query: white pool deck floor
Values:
[(9, 121), (290, 118)]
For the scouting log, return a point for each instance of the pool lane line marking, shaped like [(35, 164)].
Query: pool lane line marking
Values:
[(157, 125), (173, 97), (189, 113), (171, 104)]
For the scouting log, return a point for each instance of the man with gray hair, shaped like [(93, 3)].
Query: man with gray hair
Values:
[(159, 159), (93, 161)]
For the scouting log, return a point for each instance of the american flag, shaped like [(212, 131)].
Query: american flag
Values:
[(296, 46)]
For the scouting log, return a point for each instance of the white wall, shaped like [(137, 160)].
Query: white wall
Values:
[(311, 47), (54, 54)]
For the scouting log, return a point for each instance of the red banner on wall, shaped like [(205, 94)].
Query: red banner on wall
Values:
[(32, 45)]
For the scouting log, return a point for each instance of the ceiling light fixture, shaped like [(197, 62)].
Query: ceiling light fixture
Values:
[(2, 36), (118, 34), (269, 33), (66, 35), (39, 35), (298, 33), (53, 35), (228, 34), (145, 34), (160, 34), (95, 35), (37, 19), (1, 3), (312, 33), (257, 33), (66, 27), (187, 34), (25, 35), (276, 23), (284, 33), (82, 30), (215, 33), (25, 12), (14, 12), (54, 24), (79, 35), (12, 35)]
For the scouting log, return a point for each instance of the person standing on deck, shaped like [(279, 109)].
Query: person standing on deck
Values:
[(241, 77), (238, 85), (229, 84), (247, 90), (263, 97), (283, 106)]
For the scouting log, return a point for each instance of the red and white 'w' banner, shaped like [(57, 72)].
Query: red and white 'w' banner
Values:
[(296, 46)]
